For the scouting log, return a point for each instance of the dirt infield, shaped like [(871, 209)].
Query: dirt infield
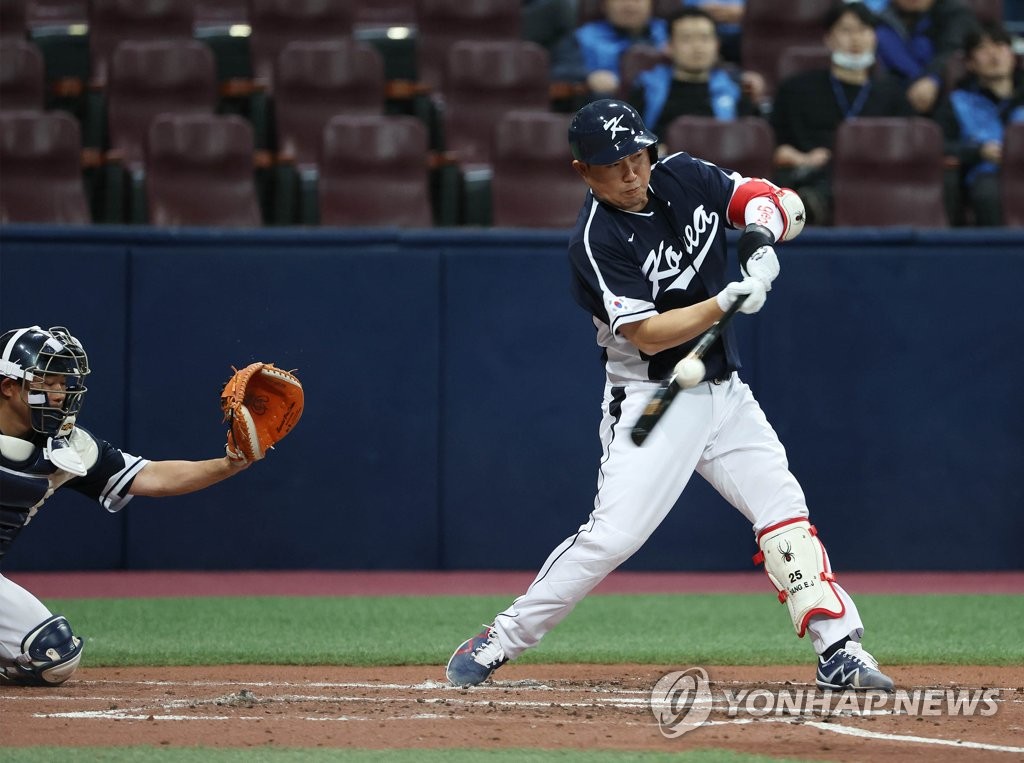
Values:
[(543, 706), (538, 706)]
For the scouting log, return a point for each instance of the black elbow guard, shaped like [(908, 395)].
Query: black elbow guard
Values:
[(754, 236)]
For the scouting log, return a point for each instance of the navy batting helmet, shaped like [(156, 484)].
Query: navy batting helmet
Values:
[(605, 131)]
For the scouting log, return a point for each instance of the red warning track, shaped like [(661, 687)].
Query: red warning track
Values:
[(429, 583)]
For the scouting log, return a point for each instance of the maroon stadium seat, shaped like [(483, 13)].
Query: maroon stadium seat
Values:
[(373, 172), (41, 157), (151, 78), (112, 22), (318, 80), (744, 145), (1012, 175), (483, 80), (22, 76), (889, 172), (441, 23), (770, 27), (275, 23), (534, 184), (199, 171)]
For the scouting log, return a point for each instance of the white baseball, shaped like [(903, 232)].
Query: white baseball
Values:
[(689, 372)]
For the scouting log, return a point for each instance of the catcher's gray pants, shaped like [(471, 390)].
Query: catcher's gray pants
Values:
[(20, 612)]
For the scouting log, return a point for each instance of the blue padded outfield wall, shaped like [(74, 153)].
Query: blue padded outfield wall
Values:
[(453, 393)]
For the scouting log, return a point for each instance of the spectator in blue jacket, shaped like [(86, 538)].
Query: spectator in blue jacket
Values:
[(591, 54), (728, 17), (976, 113), (693, 83), (916, 39)]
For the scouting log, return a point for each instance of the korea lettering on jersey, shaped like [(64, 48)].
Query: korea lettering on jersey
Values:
[(629, 266)]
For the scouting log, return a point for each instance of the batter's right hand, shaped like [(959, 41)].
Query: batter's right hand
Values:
[(750, 286)]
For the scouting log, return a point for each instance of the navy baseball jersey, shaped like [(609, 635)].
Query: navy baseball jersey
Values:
[(27, 479), (628, 266)]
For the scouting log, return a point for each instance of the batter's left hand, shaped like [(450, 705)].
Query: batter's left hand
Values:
[(752, 287), (763, 265)]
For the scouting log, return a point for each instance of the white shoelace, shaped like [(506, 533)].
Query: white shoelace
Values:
[(490, 653), (855, 650)]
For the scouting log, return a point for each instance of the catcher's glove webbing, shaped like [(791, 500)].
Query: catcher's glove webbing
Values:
[(262, 403)]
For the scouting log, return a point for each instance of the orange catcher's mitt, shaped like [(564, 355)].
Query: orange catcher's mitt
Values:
[(262, 403)]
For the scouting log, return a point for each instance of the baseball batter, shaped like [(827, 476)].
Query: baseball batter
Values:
[(42, 387), (649, 257)]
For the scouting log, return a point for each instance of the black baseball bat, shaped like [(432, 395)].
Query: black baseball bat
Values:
[(668, 389)]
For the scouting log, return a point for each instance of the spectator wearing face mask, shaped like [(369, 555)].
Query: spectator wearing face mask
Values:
[(810, 106)]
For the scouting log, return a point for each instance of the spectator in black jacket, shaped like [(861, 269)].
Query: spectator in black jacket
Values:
[(810, 106)]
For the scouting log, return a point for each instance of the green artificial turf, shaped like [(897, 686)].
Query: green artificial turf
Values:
[(733, 629)]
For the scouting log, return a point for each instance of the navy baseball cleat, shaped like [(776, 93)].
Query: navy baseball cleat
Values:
[(475, 659), (852, 668)]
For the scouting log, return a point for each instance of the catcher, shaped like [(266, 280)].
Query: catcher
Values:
[(42, 386)]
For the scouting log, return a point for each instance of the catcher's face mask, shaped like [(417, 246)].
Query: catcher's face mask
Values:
[(52, 366)]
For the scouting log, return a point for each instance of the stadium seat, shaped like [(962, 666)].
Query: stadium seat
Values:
[(382, 13), (220, 14), (44, 14), (199, 171), (534, 184), (768, 29), (373, 172), (483, 80), (151, 78), (801, 58), (22, 77), (275, 23), (889, 172), (1011, 175), (444, 22), (13, 19), (744, 145), (318, 80), (41, 157), (635, 59), (112, 22)]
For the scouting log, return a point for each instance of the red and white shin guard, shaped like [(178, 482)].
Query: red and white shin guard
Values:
[(798, 567)]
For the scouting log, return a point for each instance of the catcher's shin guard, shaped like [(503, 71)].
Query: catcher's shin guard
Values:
[(50, 654), (798, 567)]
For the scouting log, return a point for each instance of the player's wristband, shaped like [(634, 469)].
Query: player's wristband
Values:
[(754, 236)]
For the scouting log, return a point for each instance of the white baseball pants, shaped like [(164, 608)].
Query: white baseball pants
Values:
[(717, 430)]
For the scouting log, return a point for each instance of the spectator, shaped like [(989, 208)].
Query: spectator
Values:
[(728, 18), (810, 106), (975, 114), (591, 53), (693, 83), (916, 39)]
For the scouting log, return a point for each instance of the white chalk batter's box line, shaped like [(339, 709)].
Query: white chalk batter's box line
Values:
[(626, 699)]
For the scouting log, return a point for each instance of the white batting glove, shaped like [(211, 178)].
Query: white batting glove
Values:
[(763, 265), (753, 287)]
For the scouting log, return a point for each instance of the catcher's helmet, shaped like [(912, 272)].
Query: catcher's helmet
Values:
[(605, 131), (36, 355)]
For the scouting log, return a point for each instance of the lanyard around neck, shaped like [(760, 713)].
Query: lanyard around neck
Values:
[(849, 110)]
